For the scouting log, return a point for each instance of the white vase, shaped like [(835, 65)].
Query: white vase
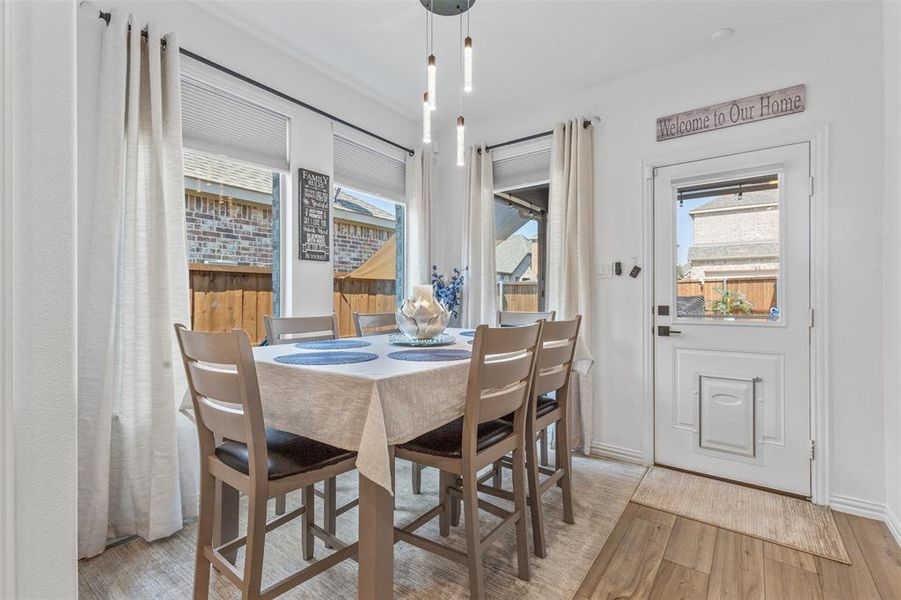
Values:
[(422, 319)]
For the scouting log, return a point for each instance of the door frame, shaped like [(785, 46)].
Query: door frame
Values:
[(820, 415)]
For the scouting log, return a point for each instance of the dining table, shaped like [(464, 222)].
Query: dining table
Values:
[(365, 394)]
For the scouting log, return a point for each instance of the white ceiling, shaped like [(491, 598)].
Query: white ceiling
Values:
[(525, 51)]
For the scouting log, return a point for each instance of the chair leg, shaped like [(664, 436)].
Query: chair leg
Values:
[(535, 505), (417, 478), (455, 511), (519, 496), (444, 501), (473, 536), (280, 503), (307, 519), (204, 536), (566, 463), (542, 438), (497, 474), (256, 543), (330, 508)]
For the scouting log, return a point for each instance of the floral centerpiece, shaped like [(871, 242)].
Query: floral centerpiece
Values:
[(449, 290)]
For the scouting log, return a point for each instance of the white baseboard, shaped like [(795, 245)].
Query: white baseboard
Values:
[(894, 524), (858, 507), (617, 453)]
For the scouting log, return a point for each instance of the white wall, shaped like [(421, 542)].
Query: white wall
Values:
[(839, 57), (41, 319), (311, 135), (892, 223)]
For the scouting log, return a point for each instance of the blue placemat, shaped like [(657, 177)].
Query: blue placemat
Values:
[(326, 358), (470, 341), (333, 344), (432, 355), (468, 333)]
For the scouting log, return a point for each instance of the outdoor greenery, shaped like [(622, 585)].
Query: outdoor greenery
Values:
[(731, 303)]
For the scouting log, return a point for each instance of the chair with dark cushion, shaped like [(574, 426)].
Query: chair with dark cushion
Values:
[(548, 407), (500, 380), (237, 450)]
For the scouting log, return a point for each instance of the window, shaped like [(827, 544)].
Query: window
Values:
[(231, 222), (520, 223), (367, 229), (728, 257)]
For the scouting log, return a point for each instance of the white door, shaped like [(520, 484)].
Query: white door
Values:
[(732, 310)]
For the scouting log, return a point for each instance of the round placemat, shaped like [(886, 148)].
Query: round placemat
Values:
[(468, 333), (333, 344), (326, 358), (432, 355)]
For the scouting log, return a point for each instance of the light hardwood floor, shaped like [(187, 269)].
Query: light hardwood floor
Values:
[(660, 556)]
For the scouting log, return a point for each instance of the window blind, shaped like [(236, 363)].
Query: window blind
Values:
[(369, 170), (218, 122), (522, 165)]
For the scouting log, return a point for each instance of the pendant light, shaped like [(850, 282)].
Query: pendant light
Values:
[(426, 119), (432, 82), (461, 141), (467, 56)]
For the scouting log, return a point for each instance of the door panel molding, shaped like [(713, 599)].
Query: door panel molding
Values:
[(818, 136)]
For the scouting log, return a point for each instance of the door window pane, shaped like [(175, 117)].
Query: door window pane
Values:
[(727, 250), (520, 218)]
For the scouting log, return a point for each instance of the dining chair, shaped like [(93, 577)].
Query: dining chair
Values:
[(238, 450), (553, 374), (500, 379), (291, 330), (375, 323), (512, 318)]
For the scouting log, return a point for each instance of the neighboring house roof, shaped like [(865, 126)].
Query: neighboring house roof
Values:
[(733, 251), (764, 197), (510, 253), (218, 169), (354, 204)]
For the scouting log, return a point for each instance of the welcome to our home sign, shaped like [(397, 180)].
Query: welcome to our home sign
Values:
[(760, 107)]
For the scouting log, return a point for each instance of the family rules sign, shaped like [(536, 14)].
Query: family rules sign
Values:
[(760, 107), (313, 205)]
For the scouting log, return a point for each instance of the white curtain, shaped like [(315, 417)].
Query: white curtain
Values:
[(419, 219), (570, 244), (130, 374), (480, 285)]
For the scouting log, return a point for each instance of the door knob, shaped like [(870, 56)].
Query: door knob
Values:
[(666, 331)]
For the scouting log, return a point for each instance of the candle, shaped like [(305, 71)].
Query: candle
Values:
[(422, 292)]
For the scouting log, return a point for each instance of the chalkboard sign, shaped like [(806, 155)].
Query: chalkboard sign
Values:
[(312, 203)]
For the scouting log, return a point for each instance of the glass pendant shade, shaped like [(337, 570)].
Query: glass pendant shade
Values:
[(467, 65), (426, 120), (461, 140), (433, 79)]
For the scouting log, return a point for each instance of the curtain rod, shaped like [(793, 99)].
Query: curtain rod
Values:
[(585, 125), (106, 17)]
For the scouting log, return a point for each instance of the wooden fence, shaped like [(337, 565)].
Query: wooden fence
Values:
[(362, 296), (760, 292), (520, 296), (226, 297)]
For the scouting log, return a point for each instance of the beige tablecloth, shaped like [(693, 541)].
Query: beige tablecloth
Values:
[(363, 406)]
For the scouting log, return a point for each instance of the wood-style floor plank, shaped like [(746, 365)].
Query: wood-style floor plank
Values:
[(691, 545), (633, 567), (593, 577), (790, 557), (881, 553), (677, 582), (784, 582), (737, 572), (839, 581)]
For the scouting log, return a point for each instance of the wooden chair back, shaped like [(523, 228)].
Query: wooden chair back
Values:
[(500, 377), (512, 318), (222, 381), (290, 330), (375, 323), (555, 357)]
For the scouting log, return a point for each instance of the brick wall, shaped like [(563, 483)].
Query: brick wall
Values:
[(226, 229), (354, 243)]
